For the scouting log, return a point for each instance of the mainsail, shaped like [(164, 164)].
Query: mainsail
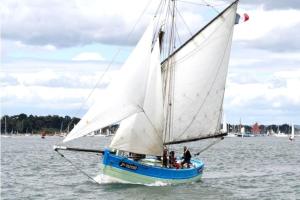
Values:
[(200, 74)]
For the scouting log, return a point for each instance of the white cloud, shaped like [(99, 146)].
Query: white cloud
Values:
[(264, 98), (41, 87), (57, 74), (262, 23), (88, 56)]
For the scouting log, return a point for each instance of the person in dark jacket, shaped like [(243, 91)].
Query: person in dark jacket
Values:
[(186, 157), (165, 158)]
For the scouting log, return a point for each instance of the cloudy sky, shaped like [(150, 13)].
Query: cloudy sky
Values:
[(54, 52)]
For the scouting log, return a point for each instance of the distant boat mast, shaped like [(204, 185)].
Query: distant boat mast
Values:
[(5, 127)]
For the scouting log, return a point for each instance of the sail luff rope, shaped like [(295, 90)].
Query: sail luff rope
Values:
[(112, 61)]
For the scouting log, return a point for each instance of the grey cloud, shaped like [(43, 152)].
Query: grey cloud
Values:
[(280, 40), (8, 80), (278, 83), (60, 23), (274, 4)]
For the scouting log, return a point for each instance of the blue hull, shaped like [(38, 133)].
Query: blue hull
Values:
[(127, 170)]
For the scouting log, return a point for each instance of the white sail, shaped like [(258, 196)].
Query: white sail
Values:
[(224, 128), (142, 132), (124, 96), (200, 75), (292, 132)]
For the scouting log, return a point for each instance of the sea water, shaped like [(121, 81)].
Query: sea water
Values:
[(235, 168)]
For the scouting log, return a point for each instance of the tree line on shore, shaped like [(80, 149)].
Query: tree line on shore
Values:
[(49, 124)]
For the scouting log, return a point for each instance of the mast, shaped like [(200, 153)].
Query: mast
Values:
[(293, 131), (169, 82), (5, 130)]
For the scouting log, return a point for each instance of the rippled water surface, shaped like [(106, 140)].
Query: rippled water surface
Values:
[(236, 168)]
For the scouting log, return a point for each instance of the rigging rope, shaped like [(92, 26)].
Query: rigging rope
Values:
[(210, 145), (83, 172), (203, 4)]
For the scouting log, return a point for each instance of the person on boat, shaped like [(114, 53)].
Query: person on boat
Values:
[(165, 158), (186, 157), (172, 160)]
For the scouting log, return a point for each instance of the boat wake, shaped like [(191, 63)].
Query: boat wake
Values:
[(158, 183), (104, 179)]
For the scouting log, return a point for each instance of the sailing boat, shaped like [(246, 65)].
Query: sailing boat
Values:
[(5, 135), (225, 128), (292, 136), (163, 101)]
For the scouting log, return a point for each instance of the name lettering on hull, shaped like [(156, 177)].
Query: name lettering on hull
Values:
[(128, 166)]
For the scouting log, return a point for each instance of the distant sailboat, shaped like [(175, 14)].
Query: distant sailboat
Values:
[(163, 102), (5, 135), (225, 128), (292, 136), (242, 131)]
